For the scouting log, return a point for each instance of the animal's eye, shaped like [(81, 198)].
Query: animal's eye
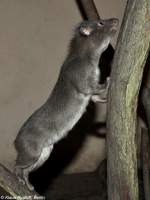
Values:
[(100, 24)]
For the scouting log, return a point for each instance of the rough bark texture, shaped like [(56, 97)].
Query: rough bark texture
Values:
[(10, 186), (127, 69)]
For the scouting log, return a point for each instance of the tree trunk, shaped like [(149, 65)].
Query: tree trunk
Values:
[(127, 70)]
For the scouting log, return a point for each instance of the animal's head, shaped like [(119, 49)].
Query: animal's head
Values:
[(95, 35)]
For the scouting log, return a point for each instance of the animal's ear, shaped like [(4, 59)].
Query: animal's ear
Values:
[(85, 30)]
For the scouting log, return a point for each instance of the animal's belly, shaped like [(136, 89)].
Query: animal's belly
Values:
[(72, 117), (75, 117)]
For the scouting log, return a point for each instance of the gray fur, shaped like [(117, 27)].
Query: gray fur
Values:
[(78, 82)]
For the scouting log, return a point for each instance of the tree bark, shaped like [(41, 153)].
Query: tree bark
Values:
[(129, 60)]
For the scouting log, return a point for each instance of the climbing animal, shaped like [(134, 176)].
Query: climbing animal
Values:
[(77, 84)]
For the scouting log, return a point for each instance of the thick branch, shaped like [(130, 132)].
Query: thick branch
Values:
[(127, 69)]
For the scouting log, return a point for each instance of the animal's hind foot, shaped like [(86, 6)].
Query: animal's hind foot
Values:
[(23, 178), (26, 179), (19, 175), (29, 186), (25, 182)]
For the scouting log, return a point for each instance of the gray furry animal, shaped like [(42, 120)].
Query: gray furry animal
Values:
[(78, 83)]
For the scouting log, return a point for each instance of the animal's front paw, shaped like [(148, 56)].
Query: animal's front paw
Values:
[(98, 98)]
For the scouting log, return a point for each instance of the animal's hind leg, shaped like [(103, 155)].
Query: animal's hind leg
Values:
[(46, 151)]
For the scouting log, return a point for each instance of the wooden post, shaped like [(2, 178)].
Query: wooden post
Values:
[(130, 56)]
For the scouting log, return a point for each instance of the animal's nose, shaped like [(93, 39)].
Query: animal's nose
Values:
[(101, 23)]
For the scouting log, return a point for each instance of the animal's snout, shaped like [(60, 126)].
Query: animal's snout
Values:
[(113, 22), (101, 23)]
